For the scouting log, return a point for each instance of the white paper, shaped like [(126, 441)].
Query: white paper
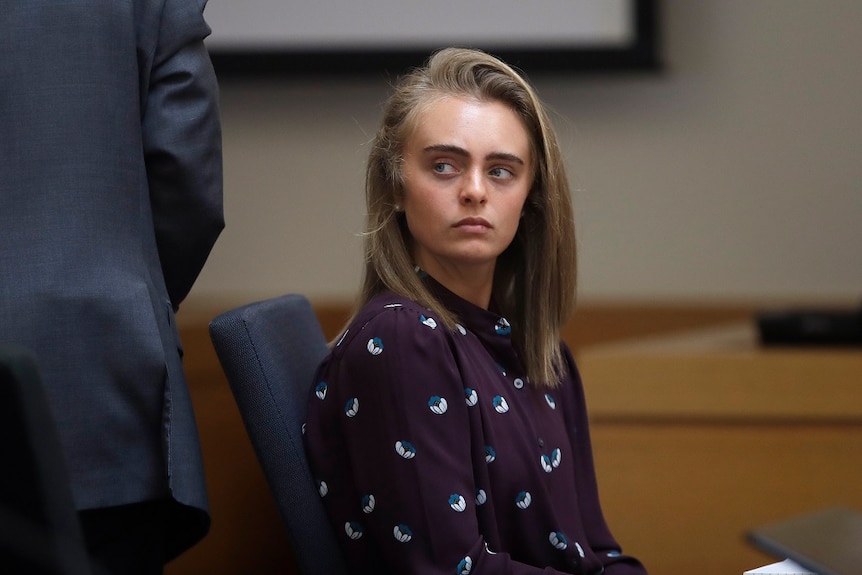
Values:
[(786, 567)]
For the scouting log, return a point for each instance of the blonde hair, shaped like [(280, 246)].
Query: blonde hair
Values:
[(534, 280)]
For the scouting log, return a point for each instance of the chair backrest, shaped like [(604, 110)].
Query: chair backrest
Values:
[(269, 351), (39, 529)]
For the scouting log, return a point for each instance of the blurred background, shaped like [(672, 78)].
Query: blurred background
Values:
[(732, 173)]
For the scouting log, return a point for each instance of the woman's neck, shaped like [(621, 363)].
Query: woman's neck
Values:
[(474, 284)]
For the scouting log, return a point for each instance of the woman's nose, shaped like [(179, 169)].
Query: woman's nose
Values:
[(474, 189)]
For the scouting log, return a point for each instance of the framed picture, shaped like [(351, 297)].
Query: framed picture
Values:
[(342, 37)]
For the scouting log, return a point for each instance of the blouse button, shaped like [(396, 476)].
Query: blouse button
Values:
[(541, 442)]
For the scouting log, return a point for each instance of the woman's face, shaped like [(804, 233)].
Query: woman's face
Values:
[(467, 171)]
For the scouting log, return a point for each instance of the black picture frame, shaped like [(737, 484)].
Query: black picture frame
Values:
[(642, 55)]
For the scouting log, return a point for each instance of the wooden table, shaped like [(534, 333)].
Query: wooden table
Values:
[(701, 435)]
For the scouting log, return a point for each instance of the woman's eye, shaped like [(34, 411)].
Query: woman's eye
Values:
[(443, 168), (501, 173)]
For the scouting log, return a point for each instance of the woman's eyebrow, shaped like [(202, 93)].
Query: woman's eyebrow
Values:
[(459, 151), (447, 148)]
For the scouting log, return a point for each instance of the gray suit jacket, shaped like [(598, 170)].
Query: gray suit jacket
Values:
[(110, 201)]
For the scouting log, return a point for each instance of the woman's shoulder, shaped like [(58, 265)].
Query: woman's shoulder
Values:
[(391, 317), (388, 308)]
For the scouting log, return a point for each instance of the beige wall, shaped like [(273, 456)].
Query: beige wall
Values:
[(736, 174)]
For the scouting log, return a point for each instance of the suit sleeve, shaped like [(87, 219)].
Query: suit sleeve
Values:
[(182, 146)]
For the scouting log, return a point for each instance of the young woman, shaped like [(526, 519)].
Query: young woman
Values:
[(447, 428)]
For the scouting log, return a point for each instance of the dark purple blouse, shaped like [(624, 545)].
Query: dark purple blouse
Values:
[(434, 455)]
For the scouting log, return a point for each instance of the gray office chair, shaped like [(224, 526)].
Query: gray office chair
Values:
[(269, 351)]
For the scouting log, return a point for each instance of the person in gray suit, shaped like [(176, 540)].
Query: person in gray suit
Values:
[(110, 202)]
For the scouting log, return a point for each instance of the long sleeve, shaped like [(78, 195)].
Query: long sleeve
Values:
[(400, 447), (182, 143)]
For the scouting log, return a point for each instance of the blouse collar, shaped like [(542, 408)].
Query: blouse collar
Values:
[(490, 327)]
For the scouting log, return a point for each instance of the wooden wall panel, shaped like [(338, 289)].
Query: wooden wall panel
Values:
[(680, 496), (701, 435)]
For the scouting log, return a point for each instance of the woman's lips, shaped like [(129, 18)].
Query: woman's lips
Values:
[(474, 224)]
